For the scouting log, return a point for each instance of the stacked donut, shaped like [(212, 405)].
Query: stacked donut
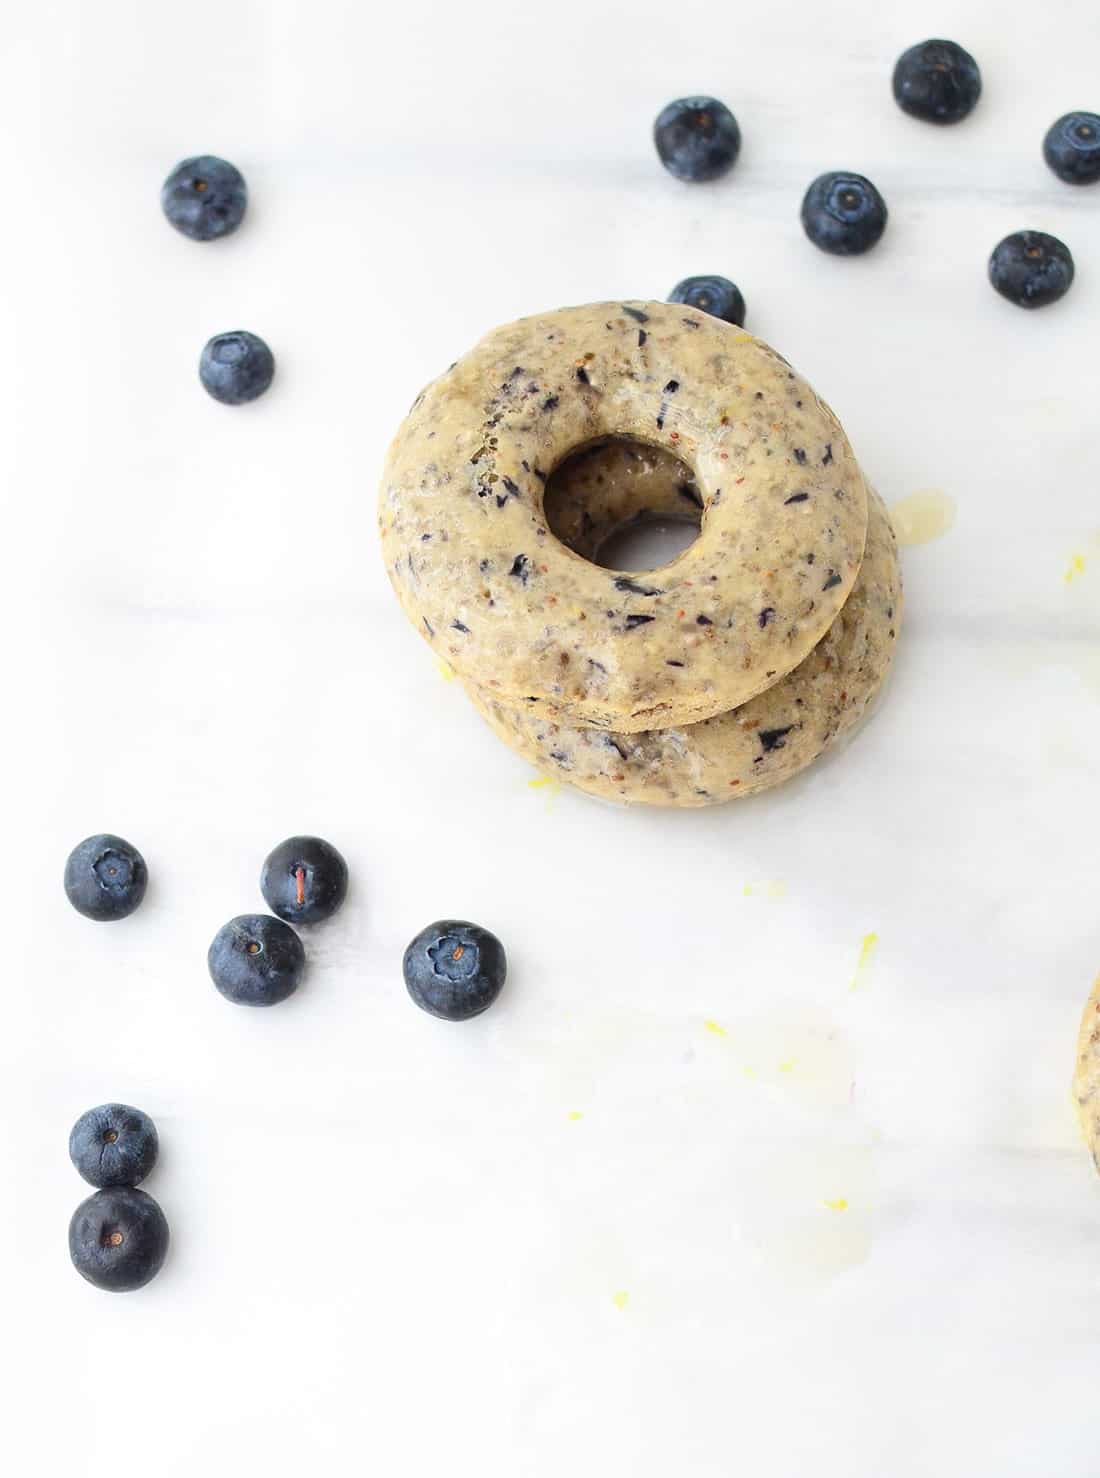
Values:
[(720, 674)]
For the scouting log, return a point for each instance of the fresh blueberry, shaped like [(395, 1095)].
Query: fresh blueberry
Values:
[(304, 880), (118, 1239), (1072, 148), (696, 138), (204, 198), (717, 296), (937, 81), (256, 960), (113, 1145), (1031, 269), (236, 367), (455, 970), (843, 213), (105, 878)]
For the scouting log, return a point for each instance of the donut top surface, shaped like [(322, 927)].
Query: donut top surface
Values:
[(780, 498)]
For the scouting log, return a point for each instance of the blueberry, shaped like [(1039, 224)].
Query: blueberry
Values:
[(256, 960), (304, 880), (717, 296), (843, 213), (105, 878), (1031, 269), (1072, 148), (454, 969), (118, 1239), (696, 138), (236, 367), (204, 198), (937, 81), (113, 1145)]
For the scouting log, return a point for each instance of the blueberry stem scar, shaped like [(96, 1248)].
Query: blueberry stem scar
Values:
[(300, 879)]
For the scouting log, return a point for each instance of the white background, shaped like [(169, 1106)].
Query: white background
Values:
[(394, 1250)]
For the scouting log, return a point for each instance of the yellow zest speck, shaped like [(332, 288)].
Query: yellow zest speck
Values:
[(715, 1028), (866, 951), (620, 1299), (446, 671), (840, 1204), (1076, 567), (747, 890), (777, 889), (573, 1115), (787, 1065), (742, 338), (549, 786), (750, 1072)]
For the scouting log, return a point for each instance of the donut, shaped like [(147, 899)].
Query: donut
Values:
[(519, 614), (753, 747), (1086, 1077)]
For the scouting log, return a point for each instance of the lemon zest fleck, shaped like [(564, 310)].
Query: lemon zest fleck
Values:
[(866, 951)]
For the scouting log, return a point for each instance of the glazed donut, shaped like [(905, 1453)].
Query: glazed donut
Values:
[(753, 747), (519, 614)]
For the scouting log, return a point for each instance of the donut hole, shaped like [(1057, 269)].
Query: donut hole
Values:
[(647, 543), (623, 504)]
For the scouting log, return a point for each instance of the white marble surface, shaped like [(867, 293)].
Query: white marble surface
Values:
[(590, 1232)]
